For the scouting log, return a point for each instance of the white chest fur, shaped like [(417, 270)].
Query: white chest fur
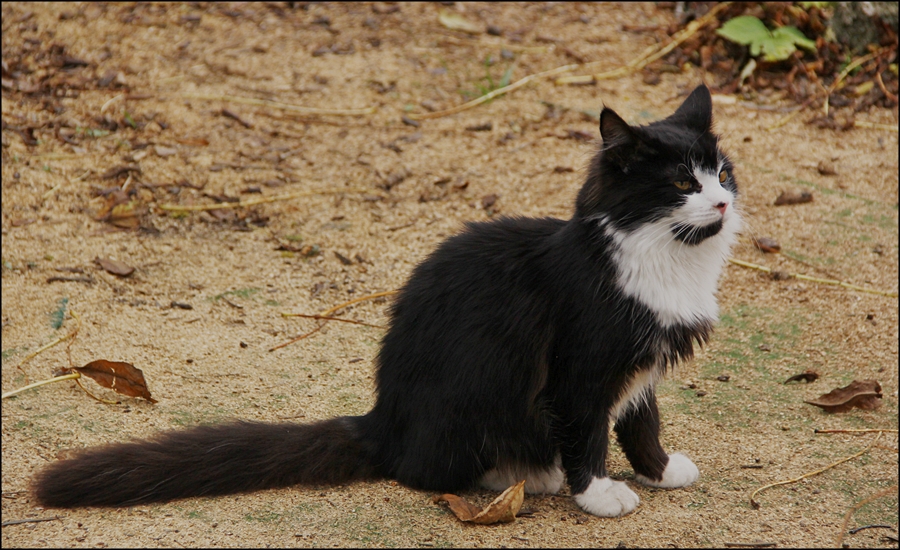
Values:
[(676, 280)]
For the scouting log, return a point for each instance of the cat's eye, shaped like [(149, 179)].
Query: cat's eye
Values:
[(723, 175), (683, 185)]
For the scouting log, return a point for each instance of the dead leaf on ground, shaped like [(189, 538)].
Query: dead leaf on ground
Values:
[(123, 378), (502, 509), (865, 394), (767, 245), (793, 197), (115, 267), (807, 376)]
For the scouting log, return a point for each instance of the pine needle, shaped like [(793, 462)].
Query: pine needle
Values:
[(815, 279), (755, 504)]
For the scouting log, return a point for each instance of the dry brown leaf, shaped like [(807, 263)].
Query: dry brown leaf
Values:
[(115, 267), (865, 394), (807, 376), (123, 378), (502, 509), (767, 244), (793, 197)]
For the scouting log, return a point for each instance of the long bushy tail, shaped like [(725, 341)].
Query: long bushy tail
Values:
[(208, 460)]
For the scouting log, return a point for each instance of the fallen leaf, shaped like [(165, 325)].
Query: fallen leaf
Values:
[(457, 22), (808, 376), (502, 509), (123, 378), (114, 267), (767, 244), (863, 394), (793, 197), (488, 201), (127, 216)]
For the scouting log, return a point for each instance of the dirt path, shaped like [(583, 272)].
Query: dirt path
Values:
[(125, 93)]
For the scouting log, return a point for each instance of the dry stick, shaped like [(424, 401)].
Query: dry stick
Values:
[(644, 59), (843, 74), (815, 279), (327, 313), (360, 299), (70, 376), (875, 125), (857, 506), (326, 318), (297, 339), (253, 202), (29, 520), (635, 64), (61, 339), (285, 106), (491, 95), (755, 504), (854, 430)]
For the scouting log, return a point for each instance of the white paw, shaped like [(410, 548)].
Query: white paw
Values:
[(607, 498), (546, 481), (679, 472)]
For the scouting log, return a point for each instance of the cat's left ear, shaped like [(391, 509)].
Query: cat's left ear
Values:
[(696, 111)]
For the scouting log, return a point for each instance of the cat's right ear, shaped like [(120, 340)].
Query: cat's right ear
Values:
[(619, 139)]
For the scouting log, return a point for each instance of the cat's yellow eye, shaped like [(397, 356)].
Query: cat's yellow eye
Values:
[(723, 175), (683, 185)]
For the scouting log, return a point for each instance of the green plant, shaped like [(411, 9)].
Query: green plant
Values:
[(775, 45)]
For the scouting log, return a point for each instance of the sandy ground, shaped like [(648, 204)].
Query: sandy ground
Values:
[(136, 102)]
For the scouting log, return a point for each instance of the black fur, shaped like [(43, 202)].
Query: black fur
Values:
[(509, 344)]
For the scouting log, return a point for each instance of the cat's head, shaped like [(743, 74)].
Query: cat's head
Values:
[(669, 172)]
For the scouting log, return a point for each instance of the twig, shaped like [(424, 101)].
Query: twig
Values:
[(884, 89), (70, 376), (360, 299), (755, 504), (297, 339), (100, 399), (814, 279), (326, 318), (646, 58), (857, 506), (856, 530), (750, 544), (45, 347), (634, 65), (285, 106), (854, 430), (28, 520), (875, 125), (253, 202), (491, 95)]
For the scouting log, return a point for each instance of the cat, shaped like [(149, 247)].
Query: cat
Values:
[(511, 350)]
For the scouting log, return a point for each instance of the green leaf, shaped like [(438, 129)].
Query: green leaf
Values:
[(795, 36), (777, 49), (744, 30)]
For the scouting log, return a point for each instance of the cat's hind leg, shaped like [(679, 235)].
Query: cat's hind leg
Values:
[(637, 430), (538, 480)]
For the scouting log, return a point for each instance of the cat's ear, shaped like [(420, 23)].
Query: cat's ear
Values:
[(615, 131), (696, 111), (619, 139)]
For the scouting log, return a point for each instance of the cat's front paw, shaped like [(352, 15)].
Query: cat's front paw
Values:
[(679, 472), (607, 498)]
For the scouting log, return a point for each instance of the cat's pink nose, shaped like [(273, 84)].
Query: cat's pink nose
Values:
[(721, 207)]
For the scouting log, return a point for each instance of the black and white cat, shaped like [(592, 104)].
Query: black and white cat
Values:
[(511, 350)]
